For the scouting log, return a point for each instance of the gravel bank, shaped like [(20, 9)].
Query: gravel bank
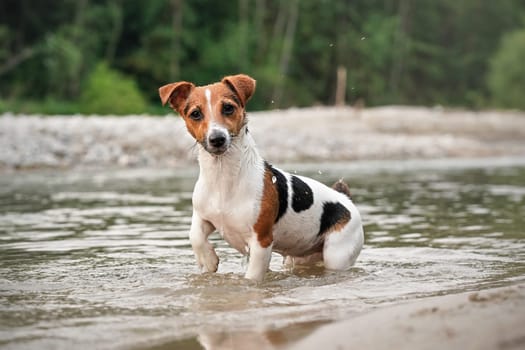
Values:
[(295, 135)]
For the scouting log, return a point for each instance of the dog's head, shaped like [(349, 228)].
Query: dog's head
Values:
[(215, 113)]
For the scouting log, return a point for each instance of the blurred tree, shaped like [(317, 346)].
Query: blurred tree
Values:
[(62, 63), (286, 52), (176, 28), (395, 51), (506, 78), (110, 92), (377, 49), (449, 44)]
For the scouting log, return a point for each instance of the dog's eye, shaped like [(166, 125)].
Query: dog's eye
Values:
[(196, 115), (227, 109)]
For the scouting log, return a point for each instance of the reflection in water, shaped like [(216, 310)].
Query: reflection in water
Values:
[(103, 260)]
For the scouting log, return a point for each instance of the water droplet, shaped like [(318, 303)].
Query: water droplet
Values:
[(319, 172), (331, 45), (363, 38), (272, 102), (274, 179)]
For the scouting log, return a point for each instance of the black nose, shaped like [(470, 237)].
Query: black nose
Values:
[(217, 140)]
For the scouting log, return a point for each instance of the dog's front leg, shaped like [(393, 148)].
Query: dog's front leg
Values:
[(259, 261), (204, 253)]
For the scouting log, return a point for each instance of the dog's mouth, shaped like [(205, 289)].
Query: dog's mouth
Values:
[(216, 151)]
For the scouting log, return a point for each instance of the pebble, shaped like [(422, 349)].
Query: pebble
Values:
[(295, 135)]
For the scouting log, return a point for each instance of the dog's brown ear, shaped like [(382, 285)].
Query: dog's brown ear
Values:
[(175, 94), (242, 85)]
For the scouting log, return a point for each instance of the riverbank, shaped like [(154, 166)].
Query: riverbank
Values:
[(488, 319), (295, 135)]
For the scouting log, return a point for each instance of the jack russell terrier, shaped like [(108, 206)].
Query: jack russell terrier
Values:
[(256, 207)]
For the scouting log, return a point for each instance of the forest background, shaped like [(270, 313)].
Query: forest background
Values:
[(110, 56)]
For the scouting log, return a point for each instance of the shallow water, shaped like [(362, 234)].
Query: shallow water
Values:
[(102, 259)]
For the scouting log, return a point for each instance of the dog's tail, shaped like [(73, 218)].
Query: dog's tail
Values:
[(341, 186)]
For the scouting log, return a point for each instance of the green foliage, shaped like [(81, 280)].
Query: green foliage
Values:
[(395, 52), (507, 72), (109, 92), (48, 106), (377, 49), (4, 34), (62, 64)]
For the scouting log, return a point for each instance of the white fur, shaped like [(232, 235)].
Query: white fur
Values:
[(296, 232), (207, 93), (227, 198)]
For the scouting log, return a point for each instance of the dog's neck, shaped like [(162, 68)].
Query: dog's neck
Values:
[(241, 157)]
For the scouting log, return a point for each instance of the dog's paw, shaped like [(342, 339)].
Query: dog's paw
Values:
[(208, 260)]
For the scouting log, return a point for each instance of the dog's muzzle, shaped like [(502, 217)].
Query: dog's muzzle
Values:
[(217, 142)]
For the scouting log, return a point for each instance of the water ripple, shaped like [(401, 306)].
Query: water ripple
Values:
[(106, 259)]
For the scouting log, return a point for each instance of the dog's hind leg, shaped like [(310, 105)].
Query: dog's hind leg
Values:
[(341, 248)]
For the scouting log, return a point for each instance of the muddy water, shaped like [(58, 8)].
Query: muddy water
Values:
[(102, 259)]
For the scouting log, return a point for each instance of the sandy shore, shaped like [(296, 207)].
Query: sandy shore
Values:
[(294, 135), (488, 319)]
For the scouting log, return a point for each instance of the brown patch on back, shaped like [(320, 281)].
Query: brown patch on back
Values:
[(268, 211)]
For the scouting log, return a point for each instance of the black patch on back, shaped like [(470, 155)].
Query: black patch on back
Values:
[(302, 197), (282, 190), (333, 213)]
